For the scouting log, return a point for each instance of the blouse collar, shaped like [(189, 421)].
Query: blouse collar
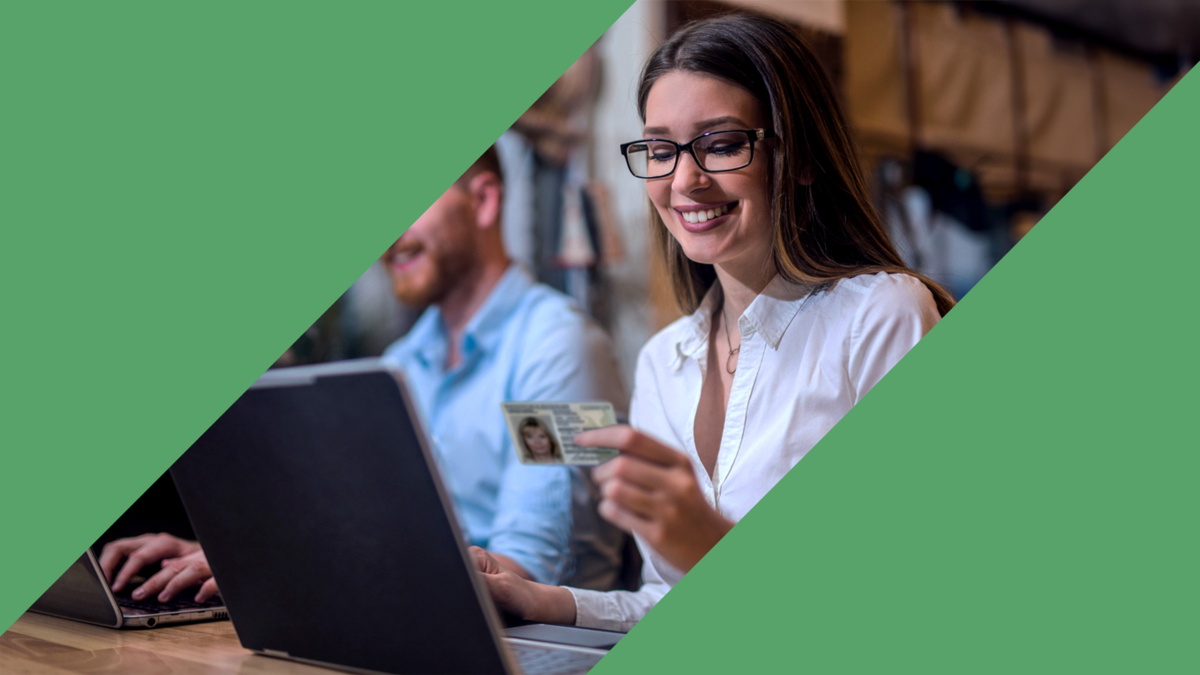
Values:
[(769, 315)]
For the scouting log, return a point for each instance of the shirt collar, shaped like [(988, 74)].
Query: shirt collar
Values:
[(427, 338), (773, 310), (696, 327), (769, 315), (485, 328)]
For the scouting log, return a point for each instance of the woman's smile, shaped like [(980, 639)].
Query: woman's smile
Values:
[(696, 218)]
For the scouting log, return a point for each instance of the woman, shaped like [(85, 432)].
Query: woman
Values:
[(539, 443), (797, 304)]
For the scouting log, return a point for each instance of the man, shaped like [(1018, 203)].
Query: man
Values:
[(491, 334)]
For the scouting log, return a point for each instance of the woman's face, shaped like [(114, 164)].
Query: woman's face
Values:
[(538, 442), (681, 106)]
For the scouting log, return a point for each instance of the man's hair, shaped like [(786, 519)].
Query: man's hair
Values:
[(488, 161)]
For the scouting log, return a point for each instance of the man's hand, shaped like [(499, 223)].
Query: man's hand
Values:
[(651, 490), (527, 599), (178, 574), (179, 558)]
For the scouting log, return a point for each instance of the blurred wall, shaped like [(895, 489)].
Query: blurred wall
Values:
[(825, 15), (624, 49), (1027, 110)]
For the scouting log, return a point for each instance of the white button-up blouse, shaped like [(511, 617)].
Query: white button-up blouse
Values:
[(806, 358)]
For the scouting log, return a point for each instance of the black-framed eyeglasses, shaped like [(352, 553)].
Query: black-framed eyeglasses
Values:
[(714, 152)]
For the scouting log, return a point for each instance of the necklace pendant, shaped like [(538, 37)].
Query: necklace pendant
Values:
[(729, 368)]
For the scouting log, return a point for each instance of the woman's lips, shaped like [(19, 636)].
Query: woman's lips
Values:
[(702, 221)]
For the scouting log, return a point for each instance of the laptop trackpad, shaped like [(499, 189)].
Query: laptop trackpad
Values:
[(566, 635)]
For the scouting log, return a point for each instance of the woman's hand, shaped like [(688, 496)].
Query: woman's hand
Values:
[(528, 600), (651, 490), (183, 565)]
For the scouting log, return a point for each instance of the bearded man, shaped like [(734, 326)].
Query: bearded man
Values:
[(490, 334)]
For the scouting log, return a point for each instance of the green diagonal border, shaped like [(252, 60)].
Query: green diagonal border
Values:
[(186, 187)]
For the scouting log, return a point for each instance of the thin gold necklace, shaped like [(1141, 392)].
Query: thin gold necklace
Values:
[(732, 352)]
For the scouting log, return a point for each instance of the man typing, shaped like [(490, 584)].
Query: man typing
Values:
[(491, 334)]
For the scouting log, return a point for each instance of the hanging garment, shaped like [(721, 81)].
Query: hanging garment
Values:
[(936, 244), (953, 189)]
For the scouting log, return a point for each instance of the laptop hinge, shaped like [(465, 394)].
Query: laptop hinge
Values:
[(276, 653)]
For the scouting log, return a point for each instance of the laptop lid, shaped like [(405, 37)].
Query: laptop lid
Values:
[(81, 594), (329, 533)]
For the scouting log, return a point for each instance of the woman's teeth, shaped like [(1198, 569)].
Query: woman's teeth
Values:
[(704, 216)]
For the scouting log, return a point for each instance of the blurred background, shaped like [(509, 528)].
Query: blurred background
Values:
[(972, 119)]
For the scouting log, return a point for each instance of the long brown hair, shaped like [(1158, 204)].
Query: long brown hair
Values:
[(824, 231)]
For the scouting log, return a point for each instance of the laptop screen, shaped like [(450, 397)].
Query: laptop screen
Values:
[(328, 532)]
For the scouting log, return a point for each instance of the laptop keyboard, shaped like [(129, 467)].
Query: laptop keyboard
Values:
[(550, 661), (185, 601)]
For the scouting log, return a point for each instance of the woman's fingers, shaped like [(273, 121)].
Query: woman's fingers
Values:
[(624, 519), (630, 469), (479, 557), (503, 584), (624, 438), (484, 562), (638, 500)]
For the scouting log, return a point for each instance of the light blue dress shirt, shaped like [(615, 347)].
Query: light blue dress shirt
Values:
[(526, 343)]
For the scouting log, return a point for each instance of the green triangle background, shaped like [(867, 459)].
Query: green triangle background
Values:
[(1019, 494), (185, 187)]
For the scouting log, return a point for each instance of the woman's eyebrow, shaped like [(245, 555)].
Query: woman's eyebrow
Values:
[(727, 119), (706, 124)]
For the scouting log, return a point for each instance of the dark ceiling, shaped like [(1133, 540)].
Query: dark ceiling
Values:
[(1166, 31)]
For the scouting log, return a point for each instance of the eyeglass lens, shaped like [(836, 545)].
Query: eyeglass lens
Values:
[(717, 152)]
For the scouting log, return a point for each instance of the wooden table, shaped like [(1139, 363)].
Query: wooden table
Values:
[(44, 644)]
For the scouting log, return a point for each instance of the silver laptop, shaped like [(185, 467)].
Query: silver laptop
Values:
[(331, 536), (83, 594)]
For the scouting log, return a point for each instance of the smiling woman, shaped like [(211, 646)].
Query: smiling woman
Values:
[(798, 303), (823, 226)]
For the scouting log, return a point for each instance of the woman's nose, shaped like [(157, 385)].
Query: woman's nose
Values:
[(689, 177)]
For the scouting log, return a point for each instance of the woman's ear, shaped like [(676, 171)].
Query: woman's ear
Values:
[(486, 193)]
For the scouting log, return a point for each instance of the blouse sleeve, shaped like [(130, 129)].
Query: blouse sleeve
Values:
[(620, 610), (896, 313)]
